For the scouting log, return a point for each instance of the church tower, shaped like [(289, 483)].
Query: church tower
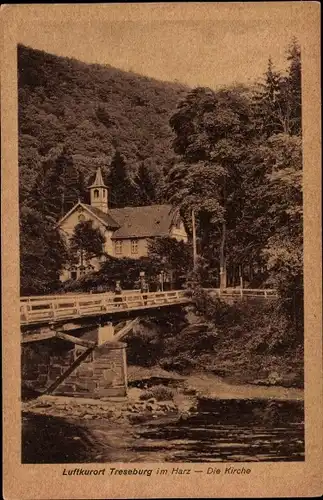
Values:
[(99, 193)]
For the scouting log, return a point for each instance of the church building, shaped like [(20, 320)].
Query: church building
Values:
[(126, 230)]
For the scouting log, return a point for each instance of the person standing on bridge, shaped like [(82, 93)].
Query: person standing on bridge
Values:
[(118, 293), (144, 290)]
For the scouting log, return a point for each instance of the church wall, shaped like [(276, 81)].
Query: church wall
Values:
[(67, 228), (109, 245), (73, 219), (126, 248)]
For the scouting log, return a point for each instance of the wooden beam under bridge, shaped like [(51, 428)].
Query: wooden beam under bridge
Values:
[(37, 337), (75, 340), (69, 370), (63, 335), (90, 348), (126, 329)]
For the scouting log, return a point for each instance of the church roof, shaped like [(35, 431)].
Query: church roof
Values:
[(98, 181), (106, 218), (133, 222), (142, 222)]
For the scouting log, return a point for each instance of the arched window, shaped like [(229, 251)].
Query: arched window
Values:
[(73, 273), (81, 218), (96, 193)]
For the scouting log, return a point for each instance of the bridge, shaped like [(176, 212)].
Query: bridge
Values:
[(72, 344), (60, 308)]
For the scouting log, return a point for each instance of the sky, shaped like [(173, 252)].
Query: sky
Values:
[(206, 52)]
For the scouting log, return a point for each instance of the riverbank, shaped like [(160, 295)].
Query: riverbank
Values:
[(214, 387), (157, 400), (196, 425), (245, 343)]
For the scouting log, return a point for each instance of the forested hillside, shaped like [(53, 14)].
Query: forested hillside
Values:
[(74, 117), (93, 111)]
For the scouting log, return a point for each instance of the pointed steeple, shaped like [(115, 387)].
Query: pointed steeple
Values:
[(98, 181), (99, 192)]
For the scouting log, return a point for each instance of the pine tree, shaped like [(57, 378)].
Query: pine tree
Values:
[(146, 185), (267, 102), (121, 187), (278, 102), (58, 186), (295, 86)]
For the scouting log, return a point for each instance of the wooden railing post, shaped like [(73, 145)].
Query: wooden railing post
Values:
[(53, 307)]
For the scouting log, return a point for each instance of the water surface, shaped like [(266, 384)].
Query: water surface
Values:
[(218, 431)]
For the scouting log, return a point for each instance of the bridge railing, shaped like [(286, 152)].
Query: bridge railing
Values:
[(69, 307), (243, 292), (51, 308), (33, 298)]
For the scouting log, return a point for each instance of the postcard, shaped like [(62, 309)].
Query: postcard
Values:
[(161, 248)]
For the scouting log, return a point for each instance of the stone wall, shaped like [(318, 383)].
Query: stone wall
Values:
[(101, 374)]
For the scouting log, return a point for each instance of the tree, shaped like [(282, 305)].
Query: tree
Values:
[(267, 103), (43, 253), (284, 248), (170, 256), (59, 184), (86, 242), (212, 130), (293, 88), (278, 100), (146, 185), (121, 187)]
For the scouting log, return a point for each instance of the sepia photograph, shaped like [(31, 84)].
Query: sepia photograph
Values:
[(161, 245), (161, 249)]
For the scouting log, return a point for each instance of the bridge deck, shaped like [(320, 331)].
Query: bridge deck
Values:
[(51, 309)]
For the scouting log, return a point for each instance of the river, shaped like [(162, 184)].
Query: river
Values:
[(218, 431)]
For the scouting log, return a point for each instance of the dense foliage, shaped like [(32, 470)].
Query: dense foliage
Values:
[(243, 341), (43, 253), (165, 254), (240, 169), (86, 242), (94, 111)]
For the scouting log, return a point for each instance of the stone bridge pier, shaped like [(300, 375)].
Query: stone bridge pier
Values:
[(95, 367)]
